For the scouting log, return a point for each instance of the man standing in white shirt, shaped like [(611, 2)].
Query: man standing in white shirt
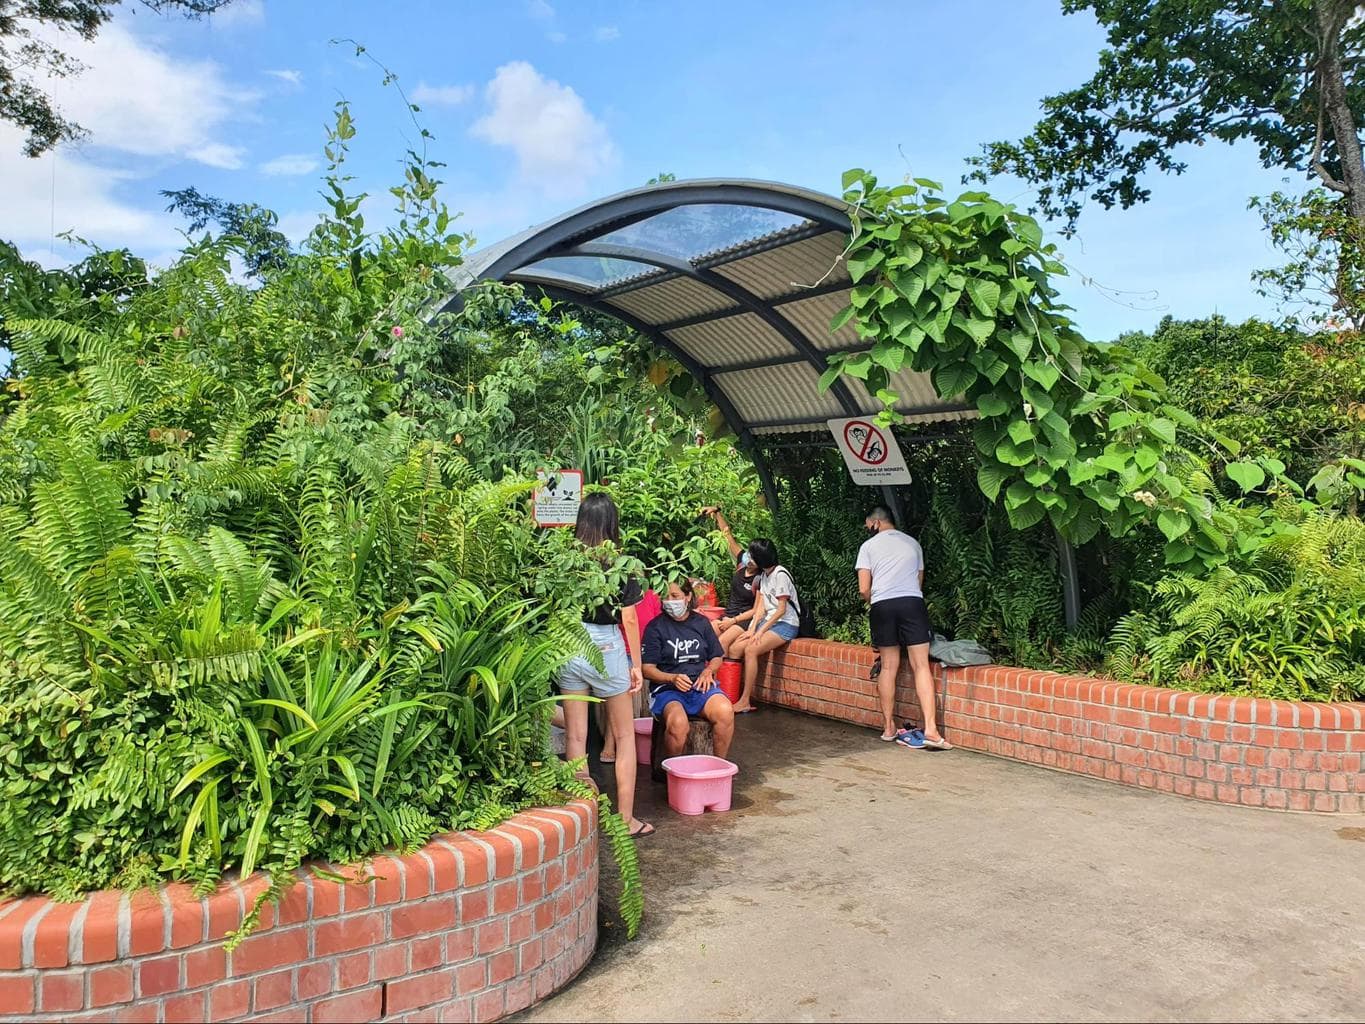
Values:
[(891, 579)]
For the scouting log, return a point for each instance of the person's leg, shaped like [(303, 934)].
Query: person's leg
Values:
[(721, 715), (729, 639), (575, 728), (924, 689), (753, 650), (886, 689), (675, 729), (608, 754), (621, 722)]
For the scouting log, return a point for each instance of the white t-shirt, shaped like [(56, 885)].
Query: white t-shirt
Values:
[(777, 584), (895, 560)]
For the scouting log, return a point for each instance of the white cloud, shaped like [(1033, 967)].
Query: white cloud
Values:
[(558, 144), (540, 10), (606, 33), (289, 75), (290, 164), (239, 13), (442, 95), (136, 98), (216, 154), (144, 109), (64, 192)]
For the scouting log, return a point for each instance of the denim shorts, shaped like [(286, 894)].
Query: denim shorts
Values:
[(579, 675), (783, 629)]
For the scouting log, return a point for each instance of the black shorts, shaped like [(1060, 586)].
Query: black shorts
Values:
[(899, 622)]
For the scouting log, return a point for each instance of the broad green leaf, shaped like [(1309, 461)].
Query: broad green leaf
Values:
[(1020, 431), (1020, 343), (842, 317), (989, 477), (985, 296), (1024, 516), (992, 404), (1162, 429), (1044, 373), (1019, 493), (1246, 475), (1173, 524), (860, 266), (953, 379)]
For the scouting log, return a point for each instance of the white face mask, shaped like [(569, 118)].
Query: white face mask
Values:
[(677, 609)]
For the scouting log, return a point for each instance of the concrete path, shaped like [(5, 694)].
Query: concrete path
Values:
[(856, 880)]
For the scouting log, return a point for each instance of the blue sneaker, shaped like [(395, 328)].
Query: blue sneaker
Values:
[(913, 738)]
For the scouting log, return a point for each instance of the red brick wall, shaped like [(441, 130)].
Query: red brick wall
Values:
[(473, 926), (1238, 750)]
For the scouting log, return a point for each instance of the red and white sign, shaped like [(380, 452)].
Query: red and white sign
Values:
[(557, 496), (870, 452)]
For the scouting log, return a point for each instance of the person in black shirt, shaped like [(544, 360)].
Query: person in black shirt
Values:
[(681, 654), (744, 586), (615, 628)]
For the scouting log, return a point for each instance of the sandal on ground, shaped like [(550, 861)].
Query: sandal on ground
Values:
[(745, 711), (938, 744), (644, 830), (606, 760), (912, 738), (892, 739)]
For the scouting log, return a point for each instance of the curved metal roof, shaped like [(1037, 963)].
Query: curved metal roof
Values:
[(738, 279)]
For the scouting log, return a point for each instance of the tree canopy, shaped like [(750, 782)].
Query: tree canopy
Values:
[(1278, 73)]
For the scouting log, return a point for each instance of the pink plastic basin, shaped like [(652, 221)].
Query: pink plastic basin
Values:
[(699, 782), (644, 731)]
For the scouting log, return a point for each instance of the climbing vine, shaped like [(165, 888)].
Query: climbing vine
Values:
[(1073, 433)]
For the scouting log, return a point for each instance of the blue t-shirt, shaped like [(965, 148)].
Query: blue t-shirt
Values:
[(679, 647)]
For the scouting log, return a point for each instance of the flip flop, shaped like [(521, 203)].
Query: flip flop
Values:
[(893, 739), (644, 830), (745, 711), (938, 744), (606, 760)]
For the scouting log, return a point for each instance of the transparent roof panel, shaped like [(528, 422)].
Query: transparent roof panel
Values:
[(699, 229), (592, 271)]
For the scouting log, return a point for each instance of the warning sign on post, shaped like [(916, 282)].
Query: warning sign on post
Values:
[(558, 494), (870, 451)]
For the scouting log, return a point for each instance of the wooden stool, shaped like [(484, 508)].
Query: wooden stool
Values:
[(698, 742)]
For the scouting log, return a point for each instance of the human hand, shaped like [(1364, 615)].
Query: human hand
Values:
[(710, 510), (725, 623), (683, 682), (706, 680), (637, 680)]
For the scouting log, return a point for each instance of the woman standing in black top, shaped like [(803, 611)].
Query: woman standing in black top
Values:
[(598, 522), (744, 586)]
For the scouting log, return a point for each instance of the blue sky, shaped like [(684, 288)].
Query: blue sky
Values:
[(540, 105)]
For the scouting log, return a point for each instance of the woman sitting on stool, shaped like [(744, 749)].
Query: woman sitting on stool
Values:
[(681, 655)]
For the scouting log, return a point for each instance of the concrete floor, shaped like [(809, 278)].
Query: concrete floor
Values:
[(855, 880)]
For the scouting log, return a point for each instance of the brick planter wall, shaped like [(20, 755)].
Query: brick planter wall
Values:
[(473, 926), (1237, 750)]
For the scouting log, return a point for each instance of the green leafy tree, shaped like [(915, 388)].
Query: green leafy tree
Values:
[(1281, 75), (26, 56), (262, 247)]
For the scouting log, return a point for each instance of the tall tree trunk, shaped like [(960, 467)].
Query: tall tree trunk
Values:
[(1331, 18)]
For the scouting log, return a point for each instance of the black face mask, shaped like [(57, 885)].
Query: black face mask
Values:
[(872, 531)]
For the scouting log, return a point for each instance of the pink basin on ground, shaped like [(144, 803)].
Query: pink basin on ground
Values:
[(699, 782), (644, 731)]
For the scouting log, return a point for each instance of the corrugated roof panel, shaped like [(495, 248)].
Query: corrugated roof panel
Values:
[(916, 391), (782, 393), (730, 340), (673, 299), (813, 316), (789, 267)]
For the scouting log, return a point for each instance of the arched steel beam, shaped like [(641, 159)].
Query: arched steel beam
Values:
[(712, 389), (605, 216), (737, 293)]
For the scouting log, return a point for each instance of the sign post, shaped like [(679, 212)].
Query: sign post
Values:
[(871, 453), (558, 494)]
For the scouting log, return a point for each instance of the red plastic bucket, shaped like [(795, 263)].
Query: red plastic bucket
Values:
[(730, 679)]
